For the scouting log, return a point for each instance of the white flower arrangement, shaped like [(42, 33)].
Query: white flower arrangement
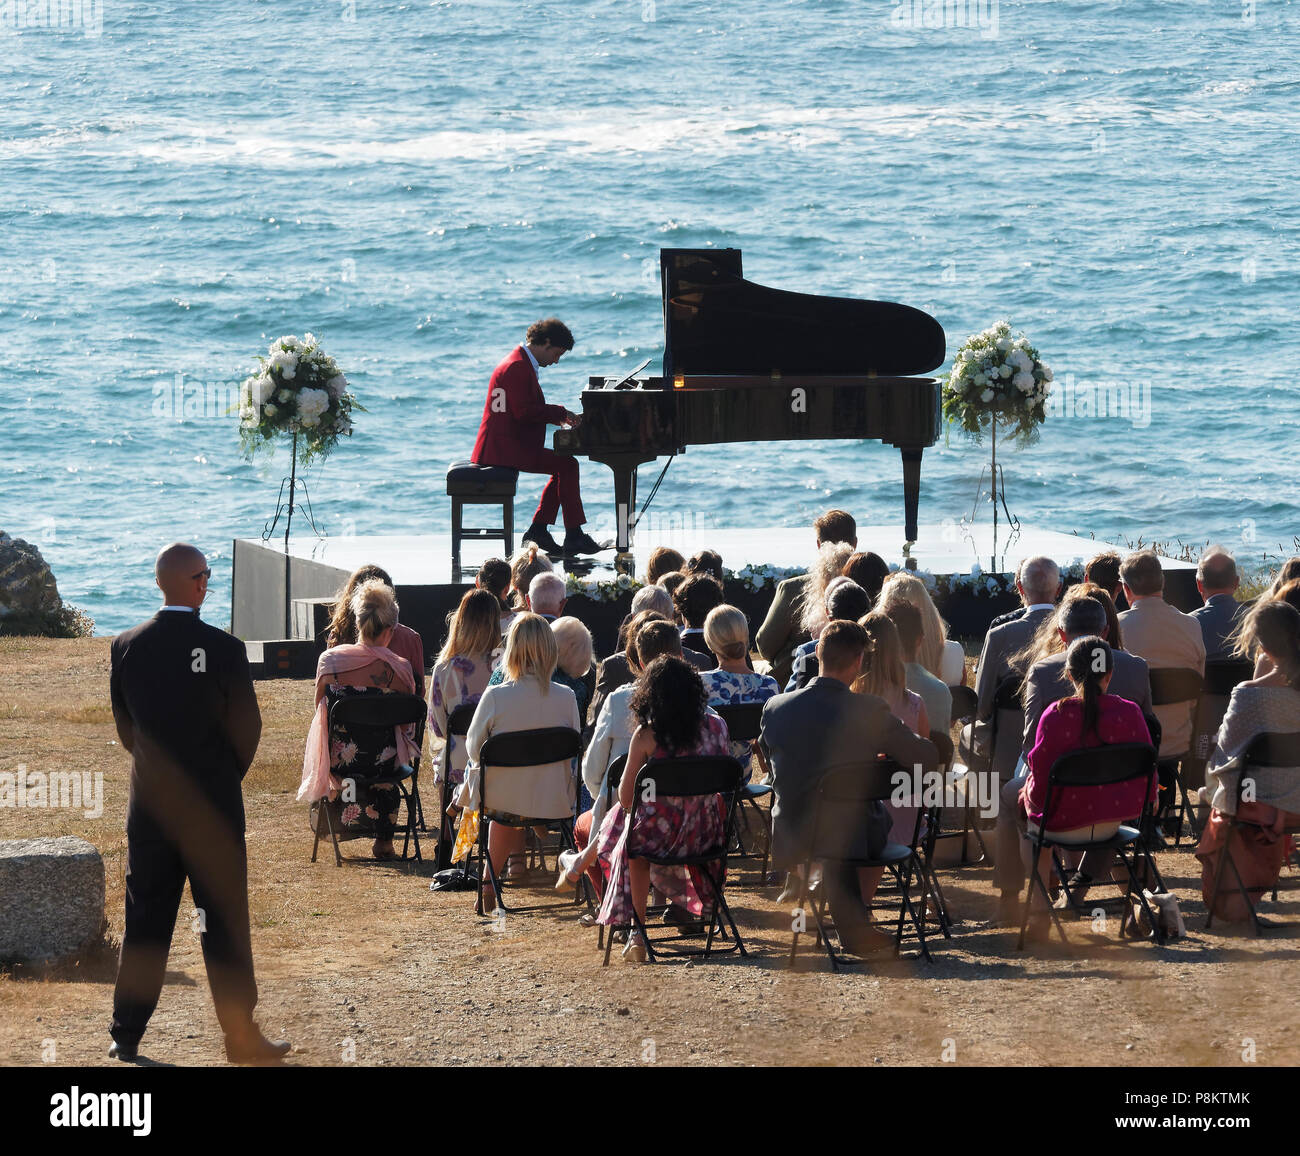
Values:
[(601, 590), (997, 376), (760, 577), (298, 389)]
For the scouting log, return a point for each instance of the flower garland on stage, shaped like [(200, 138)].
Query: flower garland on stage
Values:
[(752, 578)]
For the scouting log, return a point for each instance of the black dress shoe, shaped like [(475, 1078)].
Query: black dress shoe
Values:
[(255, 1048), (580, 542), (124, 1052), (540, 536)]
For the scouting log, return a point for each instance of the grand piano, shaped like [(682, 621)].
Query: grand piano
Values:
[(746, 363)]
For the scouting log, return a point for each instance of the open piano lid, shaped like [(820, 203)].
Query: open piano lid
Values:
[(718, 324)]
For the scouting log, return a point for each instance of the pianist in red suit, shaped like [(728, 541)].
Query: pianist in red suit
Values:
[(513, 434)]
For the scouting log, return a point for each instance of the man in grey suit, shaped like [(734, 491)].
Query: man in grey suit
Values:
[(825, 726), (1038, 583), (1045, 683), (781, 635), (1217, 581)]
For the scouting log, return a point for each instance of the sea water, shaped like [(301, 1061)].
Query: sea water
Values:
[(416, 182)]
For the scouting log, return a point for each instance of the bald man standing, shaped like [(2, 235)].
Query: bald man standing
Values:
[(186, 712)]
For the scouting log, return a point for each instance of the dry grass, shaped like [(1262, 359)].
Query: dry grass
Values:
[(368, 954)]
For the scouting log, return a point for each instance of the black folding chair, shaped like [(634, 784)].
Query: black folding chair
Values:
[(1097, 767), (965, 705), (613, 777), (1172, 686), (457, 728), (516, 750), (744, 726), (848, 791), (686, 778), (369, 718), (1008, 698), (1267, 750)]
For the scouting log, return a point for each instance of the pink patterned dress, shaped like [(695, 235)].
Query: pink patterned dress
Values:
[(667, 826)]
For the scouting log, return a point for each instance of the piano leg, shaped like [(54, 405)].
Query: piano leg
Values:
[(624, 513), (911, 496)]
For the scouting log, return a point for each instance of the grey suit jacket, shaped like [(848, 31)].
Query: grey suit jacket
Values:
[(781, 633), (1218, 618), (1047, 682), (1000, 644), (807, 733)]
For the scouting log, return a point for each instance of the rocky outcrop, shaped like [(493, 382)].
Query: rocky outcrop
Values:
[(29, 596)]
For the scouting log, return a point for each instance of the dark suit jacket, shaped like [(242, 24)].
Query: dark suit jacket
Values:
[(1218, 618), (809, 732), (781, 633), (513, 428), (186, 712), (1047, 681), (614, 672)]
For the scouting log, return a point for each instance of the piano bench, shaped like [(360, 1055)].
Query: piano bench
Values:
[(472, 485)]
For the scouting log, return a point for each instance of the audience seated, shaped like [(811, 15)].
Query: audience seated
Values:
[(941, 656), (461, 673), (934, 693), (869, 571), (823, 727), (528, 699), (827, 571), (349, 668), (1268, 703), (1088, 717), (547, 595), (494, 577), (1165, 637), (781, 632), (1219, 619), (845, 600), (706, 562), (343, 625), (726, 631), (1038, 581), (1080, 615), (693, 600), (674, 721), (663, 560), (610, 740)]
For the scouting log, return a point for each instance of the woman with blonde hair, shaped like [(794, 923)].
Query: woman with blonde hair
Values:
[(527, 699), (352, 668), (574, 649), (343, 624), (941, 656), (831, 558), (460, 676), (1268, 703), (527, 563), (1046, 640), (726, 632)]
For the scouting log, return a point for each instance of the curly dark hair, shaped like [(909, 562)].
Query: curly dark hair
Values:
[(695, 597), (671, 700), (551, 331)]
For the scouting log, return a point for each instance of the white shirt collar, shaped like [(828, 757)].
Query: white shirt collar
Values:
[(537, 369), (1039, 606), (187, 609)]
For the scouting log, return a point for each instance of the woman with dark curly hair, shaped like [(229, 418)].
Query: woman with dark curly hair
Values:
[(671, 707)]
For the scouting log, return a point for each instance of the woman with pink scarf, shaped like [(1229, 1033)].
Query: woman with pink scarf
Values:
[(361, 665)]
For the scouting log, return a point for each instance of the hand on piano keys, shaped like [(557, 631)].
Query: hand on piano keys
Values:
[(572, 420)]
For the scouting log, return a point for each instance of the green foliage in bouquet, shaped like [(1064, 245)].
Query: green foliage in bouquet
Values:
[(297, 389)]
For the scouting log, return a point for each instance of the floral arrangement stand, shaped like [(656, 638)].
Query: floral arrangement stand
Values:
[(298, 390), (997, 377)]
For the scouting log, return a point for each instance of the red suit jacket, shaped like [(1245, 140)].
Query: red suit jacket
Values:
[(515, 415)]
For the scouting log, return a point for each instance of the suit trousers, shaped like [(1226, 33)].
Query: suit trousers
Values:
[(561, 489), (155, 877)]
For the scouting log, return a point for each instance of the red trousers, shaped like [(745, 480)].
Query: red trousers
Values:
[(561, 488)]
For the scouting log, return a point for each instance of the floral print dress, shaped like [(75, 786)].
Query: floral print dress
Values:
[(460, 681), (667, 826), (727, 689)]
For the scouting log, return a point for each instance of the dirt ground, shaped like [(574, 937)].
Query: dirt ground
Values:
[(366, 965)]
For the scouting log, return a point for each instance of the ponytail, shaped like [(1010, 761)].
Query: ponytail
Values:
[(1088, 661)]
